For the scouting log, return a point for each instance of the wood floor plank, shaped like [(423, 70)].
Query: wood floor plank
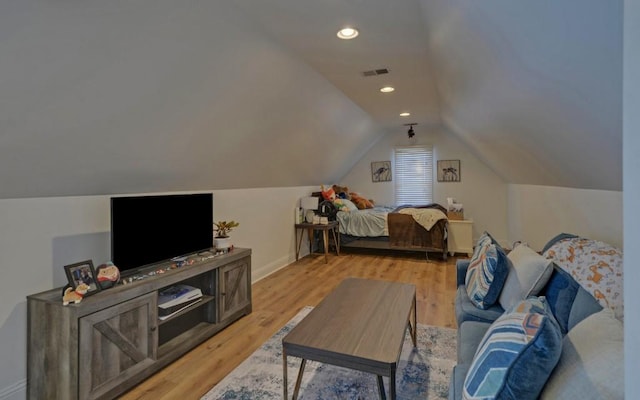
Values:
[(279, 297)]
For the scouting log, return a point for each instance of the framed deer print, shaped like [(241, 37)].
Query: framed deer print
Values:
[(449, 171)]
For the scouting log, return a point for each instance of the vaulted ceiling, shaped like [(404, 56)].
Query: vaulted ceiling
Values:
[(115, 97)]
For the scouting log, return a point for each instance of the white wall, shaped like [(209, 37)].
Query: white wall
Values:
[(38, 236), (533, 86), (631, 167), (481, 191), (154, 95), (538, 213)]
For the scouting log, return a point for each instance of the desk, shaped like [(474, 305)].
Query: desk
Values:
[(332, 226)]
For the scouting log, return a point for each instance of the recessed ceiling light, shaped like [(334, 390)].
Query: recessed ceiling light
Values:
[(405, 114), (348, 33), (387, 89)]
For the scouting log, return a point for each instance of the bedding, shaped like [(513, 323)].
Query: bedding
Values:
[(370, 222), (397, 227), (426, 217)]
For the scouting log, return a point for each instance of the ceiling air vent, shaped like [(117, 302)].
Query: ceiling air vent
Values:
[(375, 72)]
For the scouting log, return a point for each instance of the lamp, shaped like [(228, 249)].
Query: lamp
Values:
[(309, 204), (411, 133)]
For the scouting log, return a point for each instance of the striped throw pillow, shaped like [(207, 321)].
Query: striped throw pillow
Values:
[(486, 274), (516, 355)]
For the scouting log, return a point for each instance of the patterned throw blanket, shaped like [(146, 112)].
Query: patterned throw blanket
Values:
[(426, 217), (595, 265)]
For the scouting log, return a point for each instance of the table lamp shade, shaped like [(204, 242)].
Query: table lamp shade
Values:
[(309, 204)]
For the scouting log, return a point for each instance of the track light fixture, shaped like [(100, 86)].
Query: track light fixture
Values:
[(411, 133)]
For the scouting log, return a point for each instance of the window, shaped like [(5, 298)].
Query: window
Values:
[(413, 175)]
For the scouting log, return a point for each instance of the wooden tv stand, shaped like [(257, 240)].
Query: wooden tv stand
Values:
[(113, 340)]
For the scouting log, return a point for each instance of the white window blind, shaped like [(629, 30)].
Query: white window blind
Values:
[(413, 175)]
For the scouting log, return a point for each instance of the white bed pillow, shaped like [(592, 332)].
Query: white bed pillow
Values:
[(528, 273), (591, 365)]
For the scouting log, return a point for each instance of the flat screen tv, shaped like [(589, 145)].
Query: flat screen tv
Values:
[(151, 229)]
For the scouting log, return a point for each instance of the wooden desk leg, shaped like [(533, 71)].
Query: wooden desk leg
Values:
[(336, 241), (325, 239), (414, 332), (310, 235), (299, 242)]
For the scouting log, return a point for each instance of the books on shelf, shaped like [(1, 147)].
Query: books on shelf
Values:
[(177, 297)]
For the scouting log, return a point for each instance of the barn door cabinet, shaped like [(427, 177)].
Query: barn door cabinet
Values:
[(111, 341)]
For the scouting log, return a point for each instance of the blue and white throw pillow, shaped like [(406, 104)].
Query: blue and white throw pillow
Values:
[(517, 354), (486, 274)]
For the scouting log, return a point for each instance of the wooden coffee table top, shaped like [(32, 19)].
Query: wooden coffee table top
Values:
[(361, 325)]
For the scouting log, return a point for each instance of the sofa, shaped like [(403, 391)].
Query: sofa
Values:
[(577, 346)]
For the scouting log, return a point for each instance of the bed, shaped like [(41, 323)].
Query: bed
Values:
[(395, 228)]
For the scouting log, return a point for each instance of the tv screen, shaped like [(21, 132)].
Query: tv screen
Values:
[(150, 229)]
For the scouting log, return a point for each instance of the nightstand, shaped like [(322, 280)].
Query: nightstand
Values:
[(332, 226), (460, 237)]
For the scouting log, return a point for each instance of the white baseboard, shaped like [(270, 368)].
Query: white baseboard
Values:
[(16, 391), (266, 270)]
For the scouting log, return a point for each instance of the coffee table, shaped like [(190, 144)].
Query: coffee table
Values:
[(360, 325)]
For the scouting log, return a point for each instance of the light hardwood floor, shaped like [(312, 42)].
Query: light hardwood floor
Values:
[(278, 297)]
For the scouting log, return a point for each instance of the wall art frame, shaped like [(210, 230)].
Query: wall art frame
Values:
[(449, 171), (381, 171)]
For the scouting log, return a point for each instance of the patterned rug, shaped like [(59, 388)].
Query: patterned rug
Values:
[(423, 373)]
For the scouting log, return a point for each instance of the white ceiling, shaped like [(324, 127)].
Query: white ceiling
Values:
[(393, 35), (534, 88), (156, 95)]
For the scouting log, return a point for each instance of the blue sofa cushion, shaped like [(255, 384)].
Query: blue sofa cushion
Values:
[(486, 274), (467, 311), (561, 294), (469, 338), (516, 355), (457, 379)]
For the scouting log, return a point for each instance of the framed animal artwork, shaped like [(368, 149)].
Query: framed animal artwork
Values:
[(449, 171), (381, 171)]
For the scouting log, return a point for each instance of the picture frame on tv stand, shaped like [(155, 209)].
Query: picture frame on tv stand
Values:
[(82, 273)]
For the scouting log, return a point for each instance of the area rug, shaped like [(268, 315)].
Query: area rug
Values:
[(423, 373)]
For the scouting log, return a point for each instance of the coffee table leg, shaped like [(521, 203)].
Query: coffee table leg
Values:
[(284, 375), (296, 389), (392, 384), (383, 396)]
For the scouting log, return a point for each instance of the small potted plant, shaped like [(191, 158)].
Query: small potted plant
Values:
[(223, 228)]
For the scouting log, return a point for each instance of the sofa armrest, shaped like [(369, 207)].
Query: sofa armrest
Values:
[(461, 268)]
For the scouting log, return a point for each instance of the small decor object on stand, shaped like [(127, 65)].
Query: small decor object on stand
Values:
[(82, 273), (108, 275), (222, 240), (455, 211), (74, 296)]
